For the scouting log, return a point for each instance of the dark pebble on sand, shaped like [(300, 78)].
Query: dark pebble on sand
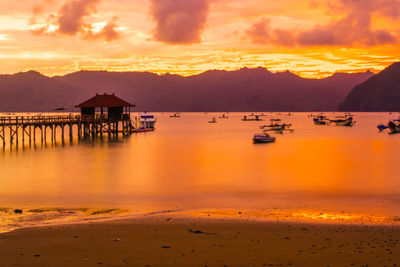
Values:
[(196, 231)]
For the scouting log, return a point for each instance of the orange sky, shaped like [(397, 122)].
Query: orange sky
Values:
[(312, 38)]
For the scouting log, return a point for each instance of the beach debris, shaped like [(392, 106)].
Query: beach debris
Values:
[(169, 219), (165, 247), (200, 232), (116, 239), (196, 231), (75, 236), (36, 255), (18, 211)]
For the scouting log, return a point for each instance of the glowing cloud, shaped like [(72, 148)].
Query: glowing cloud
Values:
[(354, 28), (70, 20), (179, 21)]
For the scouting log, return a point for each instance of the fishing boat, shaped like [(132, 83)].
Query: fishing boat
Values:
[(251, 118), (321, 120), (273, 123), (145, 122), (280, 128), (394, 126), (223, 116), (213, 120), (346, 120), (176, 115), (263, 139)]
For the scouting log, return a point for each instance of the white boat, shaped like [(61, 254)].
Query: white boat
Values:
[(145, 122), (213, 120)]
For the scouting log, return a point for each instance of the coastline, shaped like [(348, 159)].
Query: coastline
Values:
[(169, 239)]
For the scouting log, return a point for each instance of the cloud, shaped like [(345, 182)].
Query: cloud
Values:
[(179, 21), (353, 28), (38, 10), (262, 33), (108, 32), (70, 20)]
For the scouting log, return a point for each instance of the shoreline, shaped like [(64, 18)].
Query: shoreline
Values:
[(181, 240), (59, 217)]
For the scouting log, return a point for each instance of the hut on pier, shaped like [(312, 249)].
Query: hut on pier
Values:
[(117, 109)]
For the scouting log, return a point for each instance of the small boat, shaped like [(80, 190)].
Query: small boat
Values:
[(263, 139), (280, 128), (213, 120), (176, 115), (346, 120), (145, 122), (273, 123), (382, 127), (394, 126), (223, 116), (251, 118), (321, 120)]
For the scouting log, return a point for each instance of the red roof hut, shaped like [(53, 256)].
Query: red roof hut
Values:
[(117, 109)]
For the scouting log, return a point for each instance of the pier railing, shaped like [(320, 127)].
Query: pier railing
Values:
[(87, 125), (49, 119)]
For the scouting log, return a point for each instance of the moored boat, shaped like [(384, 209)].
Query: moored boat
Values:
[(145, 122), (176, 115), (346, 120), (263, 139), (320, 120), (252, 117), (394, 126)]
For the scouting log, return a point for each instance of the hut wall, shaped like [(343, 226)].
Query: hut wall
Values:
[(87, 111), (115, 113)]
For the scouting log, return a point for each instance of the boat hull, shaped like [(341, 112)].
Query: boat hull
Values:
[(143, 130), (263, 140)]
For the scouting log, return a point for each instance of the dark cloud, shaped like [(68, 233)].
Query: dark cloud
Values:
[(353, 28), (70, 20), (71, 15), (262, 33), (179, 21)]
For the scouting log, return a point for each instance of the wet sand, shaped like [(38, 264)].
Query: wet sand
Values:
[(176, 240)]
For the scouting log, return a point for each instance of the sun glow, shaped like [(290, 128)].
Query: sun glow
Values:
[(218, 38)]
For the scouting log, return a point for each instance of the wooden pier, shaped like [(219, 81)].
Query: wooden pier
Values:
[(24, 128)]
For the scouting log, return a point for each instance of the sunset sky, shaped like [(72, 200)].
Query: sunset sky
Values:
[(312, 38)]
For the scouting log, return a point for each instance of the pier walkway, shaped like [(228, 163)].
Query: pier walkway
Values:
[(13, 128)]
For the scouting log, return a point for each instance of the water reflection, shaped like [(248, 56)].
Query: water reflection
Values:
[(189, 163)]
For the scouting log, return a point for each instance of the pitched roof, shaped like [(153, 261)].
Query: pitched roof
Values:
[(105, 101)]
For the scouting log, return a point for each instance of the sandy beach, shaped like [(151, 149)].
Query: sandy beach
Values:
[(180, 240)]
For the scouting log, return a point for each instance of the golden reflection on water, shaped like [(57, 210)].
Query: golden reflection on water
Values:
[(188, 163)]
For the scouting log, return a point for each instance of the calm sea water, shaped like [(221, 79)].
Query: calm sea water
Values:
[(188, 163)]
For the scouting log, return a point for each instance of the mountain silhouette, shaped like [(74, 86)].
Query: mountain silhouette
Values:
[(379, 93), (242, 90)]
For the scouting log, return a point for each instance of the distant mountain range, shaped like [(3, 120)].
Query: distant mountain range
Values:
[(242, 90), (379, 93)]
